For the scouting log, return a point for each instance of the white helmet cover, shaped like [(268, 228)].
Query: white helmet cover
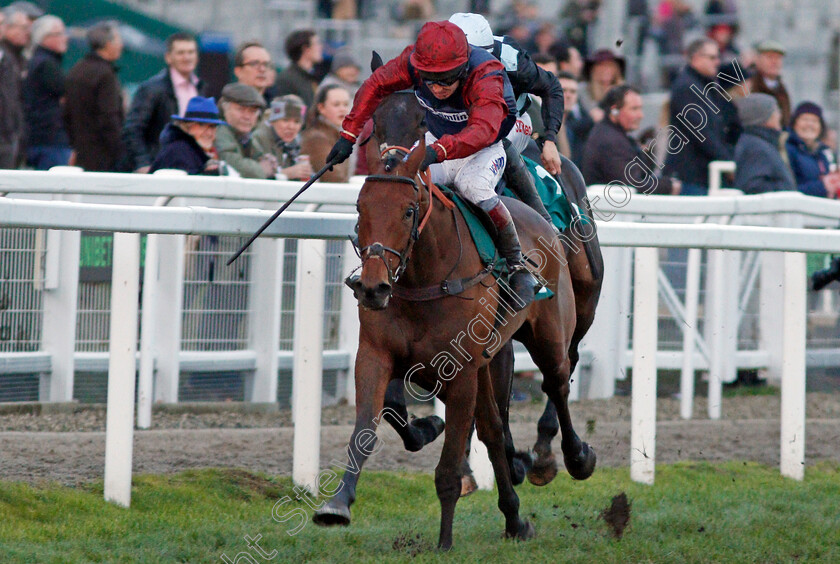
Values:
[(475, 27)]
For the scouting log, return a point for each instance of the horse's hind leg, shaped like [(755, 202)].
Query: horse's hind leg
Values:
[(544, 468), (490, 431), (416, 433), (554, 363)]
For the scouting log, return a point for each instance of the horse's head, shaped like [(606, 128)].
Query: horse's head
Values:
[(390, 205), (397, 122)]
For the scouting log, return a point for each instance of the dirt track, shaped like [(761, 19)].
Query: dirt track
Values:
[(749, 431)]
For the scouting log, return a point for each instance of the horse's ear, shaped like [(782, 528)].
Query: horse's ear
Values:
[(416, 156), (375, 61)]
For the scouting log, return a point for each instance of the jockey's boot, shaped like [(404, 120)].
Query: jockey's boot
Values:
[(522, 282), (519, 180)]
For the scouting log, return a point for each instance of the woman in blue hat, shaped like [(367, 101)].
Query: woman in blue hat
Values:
[(187, 141)]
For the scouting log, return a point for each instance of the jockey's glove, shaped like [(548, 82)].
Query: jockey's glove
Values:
[(430, 158), (340, 151)]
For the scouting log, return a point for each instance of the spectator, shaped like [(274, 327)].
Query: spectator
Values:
[(279, 134), (603, 70), (241, 106), (611, 154), (93, 108), (568, 58), (577, 15), (252, 66), (344, 71), (304, 49), (323, 128), (163, 95), (186, 142), (545, 62), (767, 76), (15, 37), (576, 122), (47, 142), (811, 160), (570, 99), (544, 38), (760, 155), (710, 143)]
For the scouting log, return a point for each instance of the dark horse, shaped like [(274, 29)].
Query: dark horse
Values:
[(397, 122)]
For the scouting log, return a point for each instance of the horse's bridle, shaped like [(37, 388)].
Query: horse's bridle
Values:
[(378, 250)]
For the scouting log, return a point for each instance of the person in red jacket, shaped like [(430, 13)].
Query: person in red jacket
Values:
[(470, 108)]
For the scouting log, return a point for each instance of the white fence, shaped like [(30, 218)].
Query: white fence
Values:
[(174, 223)]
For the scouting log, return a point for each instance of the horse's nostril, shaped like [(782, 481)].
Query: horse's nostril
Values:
[(383, 288)]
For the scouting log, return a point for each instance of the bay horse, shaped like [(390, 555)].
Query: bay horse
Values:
[(398, 121), (425, 342)]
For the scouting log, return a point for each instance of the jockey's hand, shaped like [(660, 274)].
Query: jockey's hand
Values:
[(430, 158), (340, 151), (551, 158)]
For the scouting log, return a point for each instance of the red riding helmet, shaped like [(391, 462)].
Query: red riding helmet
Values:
[(440, 47)]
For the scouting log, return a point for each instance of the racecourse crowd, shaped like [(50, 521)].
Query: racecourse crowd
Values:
[(282, 124)]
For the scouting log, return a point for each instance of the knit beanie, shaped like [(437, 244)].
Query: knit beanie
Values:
[(756, 109)]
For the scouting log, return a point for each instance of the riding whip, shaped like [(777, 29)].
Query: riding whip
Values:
[(281, 210)]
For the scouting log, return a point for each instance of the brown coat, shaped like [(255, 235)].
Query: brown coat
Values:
[(93, 113), (316, 141), (756, 83)]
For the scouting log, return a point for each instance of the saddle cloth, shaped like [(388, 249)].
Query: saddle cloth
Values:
[(555, 201)]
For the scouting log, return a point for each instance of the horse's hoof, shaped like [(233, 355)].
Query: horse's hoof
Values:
[(435, 424), (525, 531), (331, 515), (521, 464), (544, 470), (582, 465), (468, 485)]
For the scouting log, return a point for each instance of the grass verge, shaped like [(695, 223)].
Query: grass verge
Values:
[(696, 512)]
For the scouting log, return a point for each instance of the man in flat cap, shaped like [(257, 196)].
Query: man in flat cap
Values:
[(241, 106), (767, 75)]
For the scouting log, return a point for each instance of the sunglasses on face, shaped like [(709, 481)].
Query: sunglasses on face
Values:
[(444, 81)]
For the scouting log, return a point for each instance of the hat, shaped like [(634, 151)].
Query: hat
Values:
[(343, 58), (808, 108), (440, 47), (770, 46), (201, 110), (243, 94), (602, 56), (286, 107), (756, 108)]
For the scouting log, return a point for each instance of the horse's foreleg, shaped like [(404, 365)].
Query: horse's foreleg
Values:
[(545, 466), (460, 407), (415, 434), (490, 430), (373, 370)]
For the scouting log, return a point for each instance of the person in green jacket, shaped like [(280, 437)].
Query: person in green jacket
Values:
[(242, 106)]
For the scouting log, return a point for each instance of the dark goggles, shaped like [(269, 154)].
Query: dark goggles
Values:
[(444, 79)]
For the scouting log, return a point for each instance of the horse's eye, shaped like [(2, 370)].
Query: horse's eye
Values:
[(409, 213)]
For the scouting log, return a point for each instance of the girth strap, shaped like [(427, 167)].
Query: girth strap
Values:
[(442, 290)]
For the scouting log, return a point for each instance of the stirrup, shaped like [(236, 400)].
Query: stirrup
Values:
[(523, 285)]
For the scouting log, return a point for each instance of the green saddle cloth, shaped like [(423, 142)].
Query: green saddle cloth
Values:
[(552, 196)]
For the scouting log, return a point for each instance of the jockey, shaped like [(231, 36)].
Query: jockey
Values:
[(470, 108), (526, 78)]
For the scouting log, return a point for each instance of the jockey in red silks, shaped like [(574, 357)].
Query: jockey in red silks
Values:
[(470, 108)]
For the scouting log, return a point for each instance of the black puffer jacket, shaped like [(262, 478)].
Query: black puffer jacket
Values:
[(42, 93), (150, 111)]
